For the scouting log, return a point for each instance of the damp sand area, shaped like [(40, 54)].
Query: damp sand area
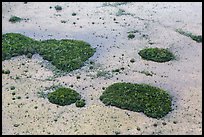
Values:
[(107, 28)]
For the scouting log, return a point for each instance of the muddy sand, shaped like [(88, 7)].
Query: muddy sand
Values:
[(106, 28)]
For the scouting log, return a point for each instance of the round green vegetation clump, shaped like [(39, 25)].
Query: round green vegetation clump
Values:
[(15, 19), (152, 101), (66, 55), (156, 54), (80, 103), (64, 96), (58, 7), (131, 36)]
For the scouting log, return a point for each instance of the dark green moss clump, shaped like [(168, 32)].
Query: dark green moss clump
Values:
[(14, 44), (58, 7), (66, 55), (80, 103), (5, 71), (63, 96), (131, 36), (156, 54), (152, 101), (15, 19)]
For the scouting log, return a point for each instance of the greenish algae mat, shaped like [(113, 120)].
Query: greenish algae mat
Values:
[(64, 96), (152, 101), (156, 54), (66, 55)]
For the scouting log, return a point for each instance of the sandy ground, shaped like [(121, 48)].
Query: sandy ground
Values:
[(98, 25)]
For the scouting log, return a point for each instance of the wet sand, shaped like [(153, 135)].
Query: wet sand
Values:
[(98, 25)]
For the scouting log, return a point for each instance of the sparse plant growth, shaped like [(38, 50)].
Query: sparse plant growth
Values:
[(64, 96), (58, 7), (103, 73), (13, 93), (63, 21), (152, 101), (65, 55), (133, 31), (156, 54), (131, 36), (12, 87), (122, 12), (5, 71), (132, 60), (116, 70), (91, 67), (74, 14), (42, 94), (114, 4), (15, 19), (197, 38), (80, 103), (78, 77), (147, 73), (29, 55)]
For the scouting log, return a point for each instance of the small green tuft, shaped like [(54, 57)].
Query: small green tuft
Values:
[(5, 71), (131, 36), (74, 14), (80, 103), (12, 87), (15, 19), (58, 7)]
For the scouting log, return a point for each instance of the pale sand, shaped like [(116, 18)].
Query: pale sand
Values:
[(182, 78)]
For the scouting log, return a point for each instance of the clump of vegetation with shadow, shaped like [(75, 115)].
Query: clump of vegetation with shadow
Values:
[(197, 38), (80, 103), (5, 71), (152, 101), (74, 14), (58, 8), (147, 73), (114, 4), (63, 96), (122, 12), (15, 19), (131, 36), (65, 55), (156, 54), (103, 73)]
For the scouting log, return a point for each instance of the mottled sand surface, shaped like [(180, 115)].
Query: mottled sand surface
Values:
[(99, 25)]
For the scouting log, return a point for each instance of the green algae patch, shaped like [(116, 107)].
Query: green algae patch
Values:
[(14, 44), (66, 55), (63, 96), (156, 54), (15, 19), (197, 38), (80, 103), (131, 36), (152, 101)]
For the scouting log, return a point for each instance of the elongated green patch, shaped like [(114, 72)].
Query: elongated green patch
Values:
[(152, 101), (156, 54), (66, 55), (197, 38)]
